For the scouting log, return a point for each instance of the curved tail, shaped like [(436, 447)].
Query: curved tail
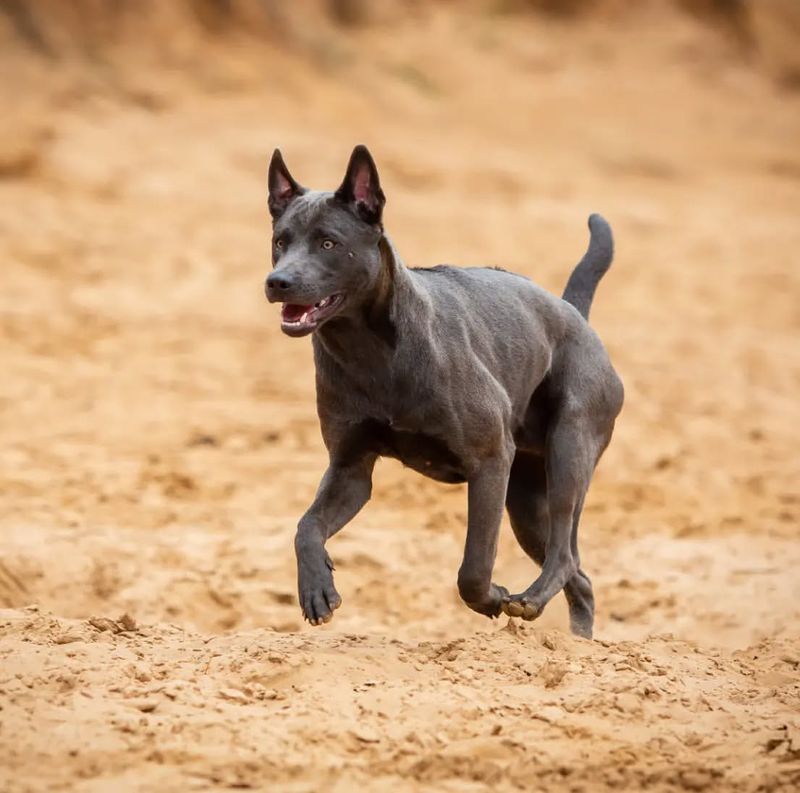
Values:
[(592, 267)]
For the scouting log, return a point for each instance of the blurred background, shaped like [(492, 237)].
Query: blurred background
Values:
[(146, 385), (159, 434)]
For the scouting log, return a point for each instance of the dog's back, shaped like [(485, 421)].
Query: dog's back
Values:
[(491, 318), (499, 292)]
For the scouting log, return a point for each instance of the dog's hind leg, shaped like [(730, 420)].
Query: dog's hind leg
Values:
[(529, 510), (578, 590)]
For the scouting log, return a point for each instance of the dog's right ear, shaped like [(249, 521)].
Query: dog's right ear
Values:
[(282, 187)]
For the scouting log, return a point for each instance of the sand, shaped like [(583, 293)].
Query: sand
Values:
[(159, 435)]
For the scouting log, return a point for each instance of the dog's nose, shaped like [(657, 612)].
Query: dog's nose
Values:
[(279, 281)]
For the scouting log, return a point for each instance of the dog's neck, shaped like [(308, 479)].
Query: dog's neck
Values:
[(379, 315), (380, 319)]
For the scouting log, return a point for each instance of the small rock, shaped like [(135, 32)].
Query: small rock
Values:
[(233, 694), (104, 624), (68, 638), (366, 734), (552, 673), (548, 642), (127, 623), (144, 705)]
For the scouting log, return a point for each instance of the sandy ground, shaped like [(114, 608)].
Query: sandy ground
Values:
[(159, 438)]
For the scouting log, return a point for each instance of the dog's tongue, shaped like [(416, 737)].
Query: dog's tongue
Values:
[(292, 311)]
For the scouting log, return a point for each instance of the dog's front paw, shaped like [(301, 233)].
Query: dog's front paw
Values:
[(525, 606), (318, 597)]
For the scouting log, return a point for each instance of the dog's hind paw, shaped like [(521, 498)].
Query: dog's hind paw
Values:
[(521, 606)]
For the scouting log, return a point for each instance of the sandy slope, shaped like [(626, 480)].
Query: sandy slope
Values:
[(159, 439)]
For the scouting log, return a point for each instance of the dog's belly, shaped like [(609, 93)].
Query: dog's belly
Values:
[(427, 454)]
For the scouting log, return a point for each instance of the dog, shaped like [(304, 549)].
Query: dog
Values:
[(470, 375)]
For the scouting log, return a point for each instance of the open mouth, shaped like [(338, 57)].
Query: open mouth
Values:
[(298, 320)]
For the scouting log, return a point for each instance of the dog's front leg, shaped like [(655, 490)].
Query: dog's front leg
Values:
[(486, 499), (342, 493)]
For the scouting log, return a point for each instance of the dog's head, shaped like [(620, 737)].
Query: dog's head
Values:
[(325, 253)]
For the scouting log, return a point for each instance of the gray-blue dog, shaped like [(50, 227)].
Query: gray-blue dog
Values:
[(464, 374)]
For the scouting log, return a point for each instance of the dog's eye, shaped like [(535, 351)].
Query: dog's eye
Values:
[(279, 244), (328, 245)]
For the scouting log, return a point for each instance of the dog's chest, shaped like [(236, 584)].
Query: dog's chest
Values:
[(389, 411), (425, 452)]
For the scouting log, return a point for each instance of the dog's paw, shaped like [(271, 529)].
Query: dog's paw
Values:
[(318, 601), (491, 606), (523, 606)]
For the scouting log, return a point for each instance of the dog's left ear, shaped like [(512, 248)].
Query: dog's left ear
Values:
[(282, 187), (361, 187)]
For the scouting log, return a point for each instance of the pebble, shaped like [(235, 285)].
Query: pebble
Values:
[(68, 638), (144, 705), (366, 734), (233, 694)]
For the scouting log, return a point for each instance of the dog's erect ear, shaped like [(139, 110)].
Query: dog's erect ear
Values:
[(282, 187), (361, 187)]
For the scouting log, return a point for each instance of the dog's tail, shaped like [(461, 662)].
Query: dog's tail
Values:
[(592, 267)]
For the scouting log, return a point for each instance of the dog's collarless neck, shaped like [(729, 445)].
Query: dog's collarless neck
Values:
[(379, 319)]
